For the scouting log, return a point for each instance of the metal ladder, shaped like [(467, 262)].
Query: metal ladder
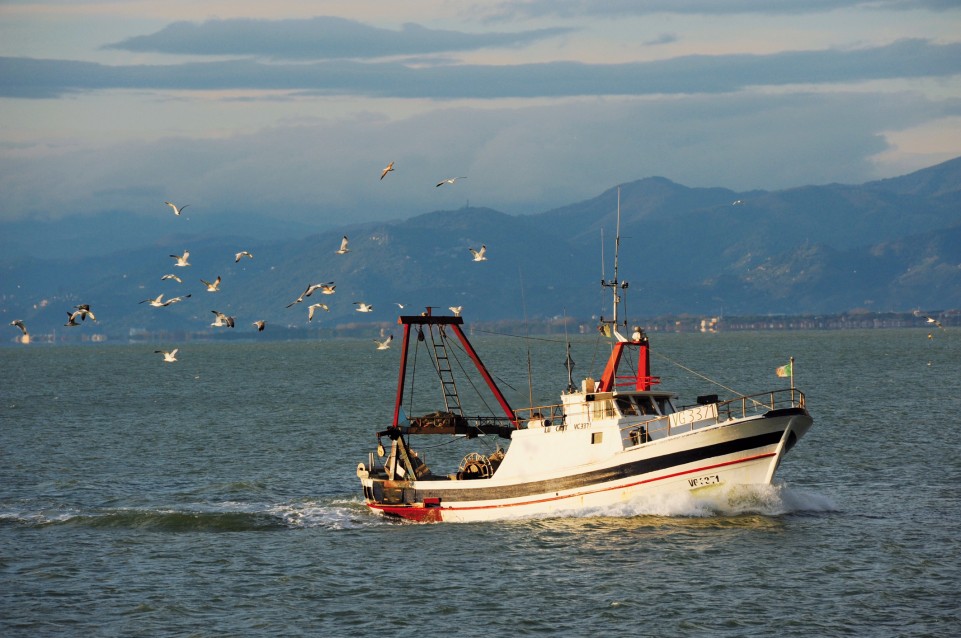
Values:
[(444, 372)]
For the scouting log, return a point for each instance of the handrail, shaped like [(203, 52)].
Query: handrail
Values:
[(737, 408)]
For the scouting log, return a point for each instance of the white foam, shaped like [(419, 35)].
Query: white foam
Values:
[(342, 514), (738, 500)]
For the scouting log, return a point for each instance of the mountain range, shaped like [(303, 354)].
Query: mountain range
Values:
[(887, 245)]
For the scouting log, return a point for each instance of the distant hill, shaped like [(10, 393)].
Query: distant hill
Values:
[(887, 245)]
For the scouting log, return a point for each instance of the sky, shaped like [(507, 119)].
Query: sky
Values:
[(291, 109)]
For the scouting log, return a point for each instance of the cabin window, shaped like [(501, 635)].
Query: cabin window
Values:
[(664, 404), (603, 409), (626, 406), (596, 437), (645, 406)]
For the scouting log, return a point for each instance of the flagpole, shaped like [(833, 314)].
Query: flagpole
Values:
[(792, 376)]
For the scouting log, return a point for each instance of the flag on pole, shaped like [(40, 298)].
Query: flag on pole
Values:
[(785, 371)]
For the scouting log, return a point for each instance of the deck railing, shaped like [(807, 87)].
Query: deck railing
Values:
[(689, 418)]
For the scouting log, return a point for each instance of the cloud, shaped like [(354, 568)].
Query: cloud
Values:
[(619, 8), (319, 38), (911, 58), (519, 160)]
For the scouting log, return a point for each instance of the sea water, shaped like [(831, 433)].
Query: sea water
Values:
[(217, 496)]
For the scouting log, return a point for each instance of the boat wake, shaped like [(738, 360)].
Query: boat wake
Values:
[(203, 517), (739, 500)]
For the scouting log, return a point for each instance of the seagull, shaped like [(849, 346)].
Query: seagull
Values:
[(177, 210), (222, 320), (172, 300), (158, 302), (343, 246), (212, 286), (19, 323), (385, 344), (260, 325), (312, 307), (363, 307), (72, 318), (450, 180), (174, 277), (479, 254), (399, 305), (934, 321), (242, 253), (182, 260), (169, 357), (456, 310), (388, 169), (327, 289), (84, 311), (310, 290)]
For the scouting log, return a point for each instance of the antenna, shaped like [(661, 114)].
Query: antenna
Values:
[(614, 284)]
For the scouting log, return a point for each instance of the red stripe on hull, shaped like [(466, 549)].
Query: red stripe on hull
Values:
[(433, 514)]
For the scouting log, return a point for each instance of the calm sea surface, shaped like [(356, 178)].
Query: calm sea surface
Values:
[(217, 496)]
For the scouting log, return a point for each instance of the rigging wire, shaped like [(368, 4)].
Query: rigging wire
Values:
[(467, 376), (413, 373), (698, 374)]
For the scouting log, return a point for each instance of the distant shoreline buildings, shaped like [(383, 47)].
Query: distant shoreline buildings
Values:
[(685, 323)]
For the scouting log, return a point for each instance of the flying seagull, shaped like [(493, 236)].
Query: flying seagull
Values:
[(84, 311), (312, 307), (399, 305), (72, 318), (388, 169), (242, 253), (363, 307), (327, 289), (261, 324), (309, 291), (213, 286), (343, 246), (222, 320), (450, 180), (173, 300), (169, 357), (934, 321), (19, 323), (456, 310), (177, 210), (159, 302), (182, 259), (385, 344), (174, 277), (479, 254)]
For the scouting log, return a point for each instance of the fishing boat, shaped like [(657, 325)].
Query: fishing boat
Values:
[(606, 442)]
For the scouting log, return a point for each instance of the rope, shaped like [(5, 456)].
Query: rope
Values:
[(505, 334), (708, 379)]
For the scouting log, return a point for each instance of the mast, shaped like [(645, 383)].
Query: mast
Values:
[(614, 284), (642, 379)]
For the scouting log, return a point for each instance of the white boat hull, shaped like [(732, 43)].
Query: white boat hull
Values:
[(738, 452)]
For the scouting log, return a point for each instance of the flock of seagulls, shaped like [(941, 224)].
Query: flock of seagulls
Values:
[(79, 313)]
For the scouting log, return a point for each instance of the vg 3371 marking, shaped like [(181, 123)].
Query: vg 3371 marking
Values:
[(702, 481)]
